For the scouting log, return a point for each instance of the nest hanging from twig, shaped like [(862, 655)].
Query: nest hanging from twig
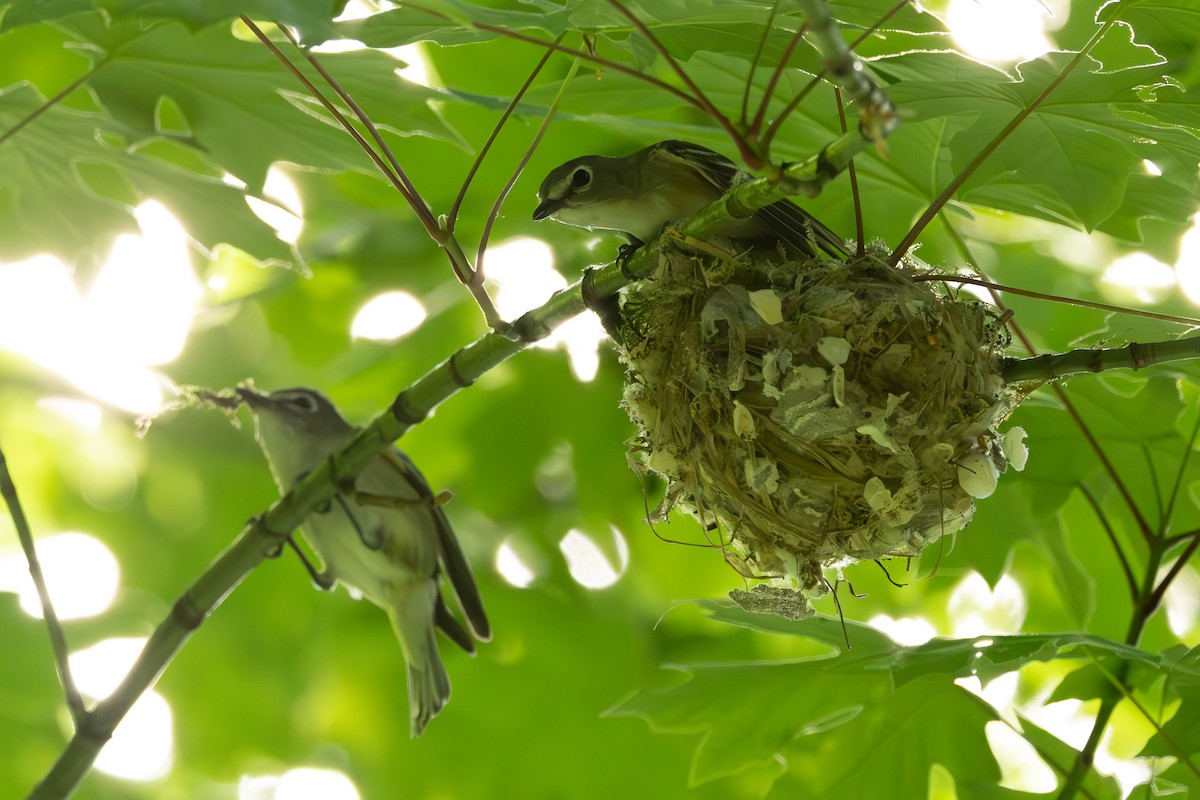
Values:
[(811, 413)]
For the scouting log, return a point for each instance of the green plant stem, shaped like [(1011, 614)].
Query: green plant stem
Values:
[(1142, 611), (1133, 356), (878, 115), (58, 640), (807, 178), (257, 542), (840, 61)]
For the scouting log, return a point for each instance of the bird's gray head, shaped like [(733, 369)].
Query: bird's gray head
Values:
[(567, 185), (305, 410), (609, 194)]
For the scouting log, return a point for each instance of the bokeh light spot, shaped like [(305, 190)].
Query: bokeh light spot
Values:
[(83, 414), (81, 575), (388, 316), (1138, 277), (302, 783), (588, 564), (908, 631), (142, 747), (1187, 267), (1021, 768), (1182, 601), (512, 567)]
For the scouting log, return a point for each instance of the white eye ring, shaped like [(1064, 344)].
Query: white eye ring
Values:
[(581, 178), (304, 402)]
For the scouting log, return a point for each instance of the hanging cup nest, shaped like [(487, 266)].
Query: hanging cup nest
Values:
[(812, 413)]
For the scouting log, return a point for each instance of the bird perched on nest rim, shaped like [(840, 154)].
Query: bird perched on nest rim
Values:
[(640, 193)]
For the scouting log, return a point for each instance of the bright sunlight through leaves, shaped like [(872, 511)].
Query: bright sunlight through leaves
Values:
[(1000, 30), (82, 575), (137, 314)]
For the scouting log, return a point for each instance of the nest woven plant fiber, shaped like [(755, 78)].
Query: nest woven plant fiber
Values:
[(810, 413)]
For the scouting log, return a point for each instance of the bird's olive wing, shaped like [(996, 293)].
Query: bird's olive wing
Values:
[(450, 554)]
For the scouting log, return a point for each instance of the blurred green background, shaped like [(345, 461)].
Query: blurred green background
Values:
[(175, 103)]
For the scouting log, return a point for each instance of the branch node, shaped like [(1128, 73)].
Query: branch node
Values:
[(530, 327), (403, 410), (187, 614), (89, 730), (456, 373)]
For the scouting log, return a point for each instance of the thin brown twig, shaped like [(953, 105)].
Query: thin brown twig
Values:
[(1136, 312), (1161, 589), (1114, 476), (762, 44), (516, 173), (419, 207), (1183, 462), (452, 217), (58, 639), (1112, 537), (397, 177), (969, 258), (1093, 443), (412, 200), (616, 66), (706, 105), (1170, 541), (792, 105), (1158, 500), (50, 103), (773, 82)]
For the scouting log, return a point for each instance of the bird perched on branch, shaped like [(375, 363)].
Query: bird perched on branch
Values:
[(385, 538), (638, 194)]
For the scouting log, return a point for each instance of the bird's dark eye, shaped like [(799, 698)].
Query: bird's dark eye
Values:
[(580, 178), (303, 402)]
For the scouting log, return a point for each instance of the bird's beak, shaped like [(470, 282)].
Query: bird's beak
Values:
[(253, 398), (546, 208)]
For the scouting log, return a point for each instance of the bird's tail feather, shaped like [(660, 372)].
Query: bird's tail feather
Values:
[(428, 689), (412, 615)]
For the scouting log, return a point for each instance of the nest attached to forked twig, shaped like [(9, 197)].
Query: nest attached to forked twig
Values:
[(811, 413)]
